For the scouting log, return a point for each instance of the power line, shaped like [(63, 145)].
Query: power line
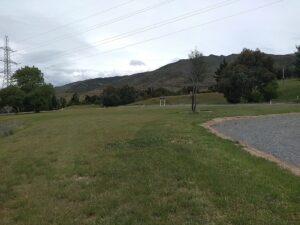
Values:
[(109, 22), (181, 30), (149, 27), (7, 63), (78, 20)]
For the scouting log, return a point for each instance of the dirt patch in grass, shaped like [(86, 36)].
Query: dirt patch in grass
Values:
[(181, 140), (81, 179), (252, 150), (8, 128)]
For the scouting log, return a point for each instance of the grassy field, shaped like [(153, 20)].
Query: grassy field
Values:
[(139, 165), (203, 98), (288, 90)]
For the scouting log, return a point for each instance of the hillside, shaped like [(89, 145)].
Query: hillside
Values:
[(210, 98), (289, 90), (172, 76)]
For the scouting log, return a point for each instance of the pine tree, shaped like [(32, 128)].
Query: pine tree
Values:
[(218, 73), (75, 99)]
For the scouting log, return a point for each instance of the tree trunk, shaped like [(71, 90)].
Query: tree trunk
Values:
[(194, 103), (193, 100)]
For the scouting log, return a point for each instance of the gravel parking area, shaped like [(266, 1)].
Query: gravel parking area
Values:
[(278, 135)]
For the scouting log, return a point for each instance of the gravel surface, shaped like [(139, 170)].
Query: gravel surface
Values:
[(278, 135)]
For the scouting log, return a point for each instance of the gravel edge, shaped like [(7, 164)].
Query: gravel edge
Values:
[(250, 149)]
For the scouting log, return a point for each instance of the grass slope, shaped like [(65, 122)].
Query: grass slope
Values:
[(203, 98), (139, 165), (288, 90)]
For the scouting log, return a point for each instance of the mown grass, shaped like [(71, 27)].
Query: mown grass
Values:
[(203, 98), (139, 165), (289, 90)]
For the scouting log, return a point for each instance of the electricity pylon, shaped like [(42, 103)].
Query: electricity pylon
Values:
[(7, 63)]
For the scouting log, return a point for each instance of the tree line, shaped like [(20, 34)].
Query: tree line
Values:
[(250, 78), (29, 92), (114, 96)]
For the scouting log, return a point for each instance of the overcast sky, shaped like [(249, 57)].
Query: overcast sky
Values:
[(72, 40)]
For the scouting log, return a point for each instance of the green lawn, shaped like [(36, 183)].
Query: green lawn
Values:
[(203, 98), (139, 165), (288, 90)]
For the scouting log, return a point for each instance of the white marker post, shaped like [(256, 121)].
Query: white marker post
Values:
[(162, 101)]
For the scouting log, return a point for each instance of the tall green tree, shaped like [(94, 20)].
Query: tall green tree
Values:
[(297, 63), (110, 96), (62, 102), (127, 94), (250, 78), (221, 68), (40, 98), (55, 104), (12, 96), (75, 99), (27, 78), (94, 99), (38, 94)]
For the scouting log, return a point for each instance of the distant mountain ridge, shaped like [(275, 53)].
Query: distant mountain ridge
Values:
[(172, 76)]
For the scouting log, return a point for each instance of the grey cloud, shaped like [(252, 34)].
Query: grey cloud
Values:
[(43, 56), (56, 78), (70, 70), (60, 76), (35, 47), (24, 19), (136, 63)]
